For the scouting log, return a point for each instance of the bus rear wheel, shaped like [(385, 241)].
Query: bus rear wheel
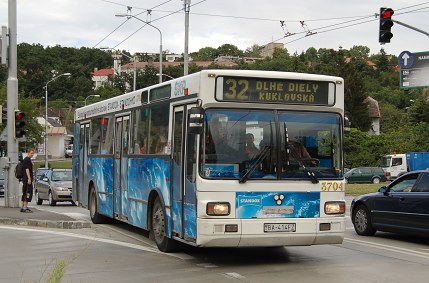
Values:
[(96, 218), (158, 231)]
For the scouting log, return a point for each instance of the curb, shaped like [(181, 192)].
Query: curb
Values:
[(46, 223)]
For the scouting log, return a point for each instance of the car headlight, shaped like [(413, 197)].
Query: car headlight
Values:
[(218, 208), (61, 189), (335, 207)]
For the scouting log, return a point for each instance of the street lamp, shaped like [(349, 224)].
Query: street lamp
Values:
[(91, 95), (165, 75), (131, 58), (46, 115), (160, 39)]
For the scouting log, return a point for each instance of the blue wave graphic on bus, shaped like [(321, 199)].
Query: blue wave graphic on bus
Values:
[(145, 174), (279, 204), (100, 171)]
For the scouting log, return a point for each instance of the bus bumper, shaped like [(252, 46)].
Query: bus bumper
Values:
[(250, 232)]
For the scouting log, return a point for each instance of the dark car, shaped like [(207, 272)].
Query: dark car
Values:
[(54, 186), (400, 207), (373, 175)]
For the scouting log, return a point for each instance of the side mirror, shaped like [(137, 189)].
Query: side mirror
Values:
[(45, 179), (196, 120), (347, 125), (384, 190)]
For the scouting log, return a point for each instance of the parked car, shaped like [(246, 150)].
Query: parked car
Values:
[(400, 207), (55, 185), (373, 175), (68, 152), (39, 173)]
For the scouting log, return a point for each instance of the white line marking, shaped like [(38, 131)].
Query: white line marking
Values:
[(91, 238), (235, 275), (389, 248)]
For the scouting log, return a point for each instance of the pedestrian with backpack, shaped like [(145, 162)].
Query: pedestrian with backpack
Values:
[(27, 181)]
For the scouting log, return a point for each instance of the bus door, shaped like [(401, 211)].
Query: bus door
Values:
[(120, 166), (82, 179), (183, 176)]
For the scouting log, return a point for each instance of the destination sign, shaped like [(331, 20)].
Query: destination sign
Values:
[(280, 91)]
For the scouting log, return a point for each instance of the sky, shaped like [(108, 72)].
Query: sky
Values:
[(243, 23)]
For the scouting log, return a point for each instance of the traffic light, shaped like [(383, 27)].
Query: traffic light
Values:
[(3, 115), (19, 124), (386, 24)]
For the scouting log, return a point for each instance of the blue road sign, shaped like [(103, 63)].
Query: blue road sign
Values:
[(406, 59), (414, 69)]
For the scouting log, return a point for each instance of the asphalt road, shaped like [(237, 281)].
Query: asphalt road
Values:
[(120, 253)]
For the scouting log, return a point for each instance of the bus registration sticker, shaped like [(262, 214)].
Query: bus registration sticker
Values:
[(279, 227)]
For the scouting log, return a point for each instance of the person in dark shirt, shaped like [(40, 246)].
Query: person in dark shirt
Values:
[(27, 181)]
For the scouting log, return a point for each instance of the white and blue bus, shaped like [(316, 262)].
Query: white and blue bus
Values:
[(210, 159)]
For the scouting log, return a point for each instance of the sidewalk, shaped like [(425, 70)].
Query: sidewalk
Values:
[(39, 218)]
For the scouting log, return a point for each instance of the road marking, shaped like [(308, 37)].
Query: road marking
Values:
[(92, 238), (235, 275), (389, 248)]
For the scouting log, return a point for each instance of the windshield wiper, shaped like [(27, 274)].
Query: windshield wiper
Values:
[(261, 157), (309, 172)]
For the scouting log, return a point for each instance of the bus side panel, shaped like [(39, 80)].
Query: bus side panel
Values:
[(145, 175), (100, 171), (75, 163)]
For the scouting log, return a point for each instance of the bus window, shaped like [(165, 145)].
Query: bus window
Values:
[(139, 131), (159, 116)]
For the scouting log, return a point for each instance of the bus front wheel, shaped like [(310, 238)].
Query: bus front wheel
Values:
[(158, 230), (96, 218)]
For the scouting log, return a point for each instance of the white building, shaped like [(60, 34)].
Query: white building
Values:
[(57, 135)]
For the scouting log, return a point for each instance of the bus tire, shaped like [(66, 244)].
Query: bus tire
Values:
[(158, 225), (96, 218)]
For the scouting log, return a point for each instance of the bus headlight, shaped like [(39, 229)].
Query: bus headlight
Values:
[(335, 207), (218, 208)]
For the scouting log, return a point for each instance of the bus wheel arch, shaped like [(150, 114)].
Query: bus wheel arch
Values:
[(96, 217), (157, 223)]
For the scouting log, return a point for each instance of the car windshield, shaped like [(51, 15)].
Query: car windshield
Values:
[(386, 161), (266, 144), (62, 176)]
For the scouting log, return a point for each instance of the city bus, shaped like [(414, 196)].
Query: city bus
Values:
[(218, 158)]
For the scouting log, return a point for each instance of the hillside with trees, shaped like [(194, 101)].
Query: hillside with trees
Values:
[(404, 114)]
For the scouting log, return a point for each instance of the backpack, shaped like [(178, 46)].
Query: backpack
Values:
[(19, 170)]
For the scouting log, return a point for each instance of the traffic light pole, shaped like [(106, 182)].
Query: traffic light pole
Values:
[(11, 190), (410, 27)]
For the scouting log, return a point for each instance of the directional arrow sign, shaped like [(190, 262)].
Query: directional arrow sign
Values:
[(414, 69), (405, 58)]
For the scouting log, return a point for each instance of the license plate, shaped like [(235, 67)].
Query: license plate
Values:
[(279, 227)]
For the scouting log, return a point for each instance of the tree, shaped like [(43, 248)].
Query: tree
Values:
[(229, 50), (253, 51), (207, 54)]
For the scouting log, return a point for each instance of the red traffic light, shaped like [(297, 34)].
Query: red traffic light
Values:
[(19, 115), (386, 23), (387, 13)]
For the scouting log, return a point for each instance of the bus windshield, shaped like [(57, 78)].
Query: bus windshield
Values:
[(267, 144)]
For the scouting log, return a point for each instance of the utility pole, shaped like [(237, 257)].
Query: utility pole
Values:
[(12, 191), (185, 53)]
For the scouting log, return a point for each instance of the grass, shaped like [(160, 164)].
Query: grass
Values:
[(58, 272), (360, 189), (60, 164)]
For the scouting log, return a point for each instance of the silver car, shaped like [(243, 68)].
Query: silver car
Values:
[(54, 186)]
